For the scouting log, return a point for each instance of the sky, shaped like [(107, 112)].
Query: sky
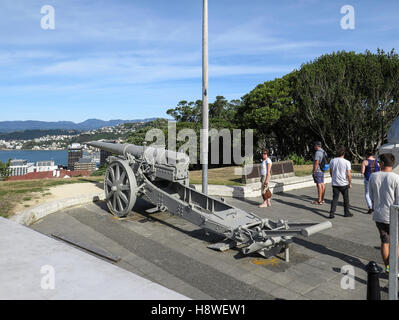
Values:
[(131, 59)]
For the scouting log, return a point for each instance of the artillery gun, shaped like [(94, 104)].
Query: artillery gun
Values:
[(162, 177)]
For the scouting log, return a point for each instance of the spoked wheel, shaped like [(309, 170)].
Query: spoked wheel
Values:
[(120, 188)]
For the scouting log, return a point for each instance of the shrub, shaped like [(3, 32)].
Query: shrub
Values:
[(298, 160), (4, 170), (100, 171)]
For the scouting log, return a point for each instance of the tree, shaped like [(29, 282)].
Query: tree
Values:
[(338, 98), (4, 170), (186, 111), (341, 95), (269, 110), (219, 110), (221, 116), (138, 137), (188, 115)]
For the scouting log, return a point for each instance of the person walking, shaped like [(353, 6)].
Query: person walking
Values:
[(265, 174), (369, 166), (340, 170), (384, 191), (318, 173)]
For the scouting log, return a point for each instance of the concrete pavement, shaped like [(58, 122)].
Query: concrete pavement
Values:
[(172, 252), (34, 266)]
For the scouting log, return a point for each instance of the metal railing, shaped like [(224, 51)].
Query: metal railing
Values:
[(393, 252)]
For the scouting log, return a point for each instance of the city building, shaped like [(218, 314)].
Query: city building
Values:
[(75, 152), (45, 166), (105, 154), (19, 167), (85, 163)]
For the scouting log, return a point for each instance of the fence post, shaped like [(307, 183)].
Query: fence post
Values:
[(393, 252)]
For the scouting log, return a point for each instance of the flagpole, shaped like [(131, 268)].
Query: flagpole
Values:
[(205, 119)]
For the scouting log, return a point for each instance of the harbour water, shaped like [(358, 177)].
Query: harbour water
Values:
[(60, 157)]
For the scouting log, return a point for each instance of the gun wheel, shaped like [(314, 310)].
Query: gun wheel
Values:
[(120, 188)]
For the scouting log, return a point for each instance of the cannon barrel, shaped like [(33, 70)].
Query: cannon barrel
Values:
[(316, 228), (157, 154)]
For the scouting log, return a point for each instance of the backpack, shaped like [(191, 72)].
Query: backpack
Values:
[(324, 163)]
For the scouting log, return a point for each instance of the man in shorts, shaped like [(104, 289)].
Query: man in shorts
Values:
[(318, 174), (384, 191)]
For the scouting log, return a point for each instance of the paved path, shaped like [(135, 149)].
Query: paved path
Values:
[(174, 253), (34, 266)]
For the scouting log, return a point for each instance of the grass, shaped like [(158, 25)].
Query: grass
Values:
[(13, 193), (219, 176), (306, 170), (303, 170)]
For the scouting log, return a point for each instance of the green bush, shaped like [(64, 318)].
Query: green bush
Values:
[(298, 160), (4, 170), (100, 172)]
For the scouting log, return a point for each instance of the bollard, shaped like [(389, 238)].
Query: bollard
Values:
[(373, 281)]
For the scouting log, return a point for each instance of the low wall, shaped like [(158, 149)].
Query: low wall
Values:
[(280, 169), (252, 190), (30, 216)]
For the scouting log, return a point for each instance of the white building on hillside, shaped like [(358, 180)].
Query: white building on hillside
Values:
[(20, 167), (44, 166)]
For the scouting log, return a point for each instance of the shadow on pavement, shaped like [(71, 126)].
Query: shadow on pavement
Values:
[(301, 206), (326, 251), (344, 257), (251, 202), (310, 199), (102, 205)]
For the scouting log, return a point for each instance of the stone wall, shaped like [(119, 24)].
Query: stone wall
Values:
[(281, 169)]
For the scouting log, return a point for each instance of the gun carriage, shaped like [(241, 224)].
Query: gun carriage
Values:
[(162, 177)]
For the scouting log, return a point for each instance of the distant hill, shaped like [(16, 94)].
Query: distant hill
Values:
[(90, 124), (33, 134)]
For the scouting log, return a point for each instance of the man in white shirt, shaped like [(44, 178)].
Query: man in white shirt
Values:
[(340, 170), (384, 191), (265, 173)]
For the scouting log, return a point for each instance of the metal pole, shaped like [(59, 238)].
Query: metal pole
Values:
[(205, 120), (393, 253), (382, 129)]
